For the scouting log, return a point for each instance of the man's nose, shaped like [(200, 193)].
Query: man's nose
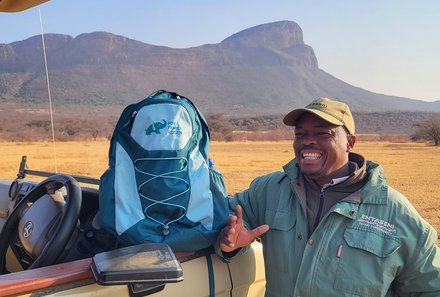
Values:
[(309, 139)]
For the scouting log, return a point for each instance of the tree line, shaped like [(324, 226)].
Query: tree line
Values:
[(36, 127)]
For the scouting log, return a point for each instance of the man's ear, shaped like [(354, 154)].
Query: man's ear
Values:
[(351, 140)]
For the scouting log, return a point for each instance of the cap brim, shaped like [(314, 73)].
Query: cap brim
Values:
[(292, 117)]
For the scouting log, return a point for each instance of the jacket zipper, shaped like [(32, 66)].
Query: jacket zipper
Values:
[(318, 215)]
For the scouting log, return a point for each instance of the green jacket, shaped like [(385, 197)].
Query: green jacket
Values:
[(372, 243)]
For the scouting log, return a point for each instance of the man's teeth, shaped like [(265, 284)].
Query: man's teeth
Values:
[(311, 156)]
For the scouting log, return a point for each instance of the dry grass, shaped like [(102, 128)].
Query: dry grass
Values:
[(412, 168)]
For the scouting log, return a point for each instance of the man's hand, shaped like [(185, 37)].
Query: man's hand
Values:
[(235, 235)]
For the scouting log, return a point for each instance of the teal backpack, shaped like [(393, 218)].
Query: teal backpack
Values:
[(160, 185)]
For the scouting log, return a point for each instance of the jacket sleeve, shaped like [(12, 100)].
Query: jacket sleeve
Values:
[(252, 201), (421, 276)]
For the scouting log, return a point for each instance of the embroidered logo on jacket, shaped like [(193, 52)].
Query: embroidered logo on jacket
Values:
[(377, 224)]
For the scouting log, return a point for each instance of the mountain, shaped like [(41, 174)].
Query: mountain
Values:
[(266, 69)]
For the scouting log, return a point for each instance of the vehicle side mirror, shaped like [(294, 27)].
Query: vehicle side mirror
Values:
[(145, 267)]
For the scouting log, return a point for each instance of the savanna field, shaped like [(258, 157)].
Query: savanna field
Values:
[(411, 168)]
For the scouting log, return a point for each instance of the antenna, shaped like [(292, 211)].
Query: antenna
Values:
[(48, 91)]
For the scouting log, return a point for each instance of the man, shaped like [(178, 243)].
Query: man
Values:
[(329, 223)]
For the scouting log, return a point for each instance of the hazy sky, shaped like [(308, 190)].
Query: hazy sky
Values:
[(385, 46)]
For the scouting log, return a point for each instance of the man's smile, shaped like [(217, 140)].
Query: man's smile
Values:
[(311, 156)]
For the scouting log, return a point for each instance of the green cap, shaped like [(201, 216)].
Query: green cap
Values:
[(332, 111)]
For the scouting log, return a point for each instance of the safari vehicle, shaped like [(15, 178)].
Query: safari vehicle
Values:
[(48, 226), (47, 244)]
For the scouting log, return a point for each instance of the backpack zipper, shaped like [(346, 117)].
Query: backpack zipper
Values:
[(131, 118)]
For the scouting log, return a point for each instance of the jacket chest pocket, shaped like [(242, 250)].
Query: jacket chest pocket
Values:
[(278, 242), (367, 262)]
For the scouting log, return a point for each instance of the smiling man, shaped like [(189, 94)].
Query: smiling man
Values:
[(329, 223)]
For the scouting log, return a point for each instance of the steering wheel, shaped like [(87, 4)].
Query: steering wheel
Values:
[(40, 226)]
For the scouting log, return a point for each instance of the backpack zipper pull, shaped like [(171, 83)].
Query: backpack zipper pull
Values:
[(131, 118)]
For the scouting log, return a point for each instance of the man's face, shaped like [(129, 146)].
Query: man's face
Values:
[(321, 149)]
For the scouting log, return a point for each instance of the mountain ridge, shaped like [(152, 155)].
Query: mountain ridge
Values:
[(266, 69)]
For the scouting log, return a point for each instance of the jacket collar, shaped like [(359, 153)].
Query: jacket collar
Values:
[(375, 190)]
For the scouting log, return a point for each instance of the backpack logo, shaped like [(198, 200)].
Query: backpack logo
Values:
[(174, 128), (155, 127)]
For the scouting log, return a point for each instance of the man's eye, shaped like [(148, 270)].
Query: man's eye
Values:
[(324, 134)]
